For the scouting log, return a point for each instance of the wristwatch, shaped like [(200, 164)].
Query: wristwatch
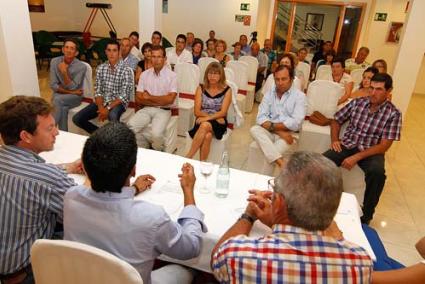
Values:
[(248, 218), (271, 129)]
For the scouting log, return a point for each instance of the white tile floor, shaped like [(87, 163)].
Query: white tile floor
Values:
[(400, 215)]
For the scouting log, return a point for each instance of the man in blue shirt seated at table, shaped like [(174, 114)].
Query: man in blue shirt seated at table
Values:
[(108, 217)]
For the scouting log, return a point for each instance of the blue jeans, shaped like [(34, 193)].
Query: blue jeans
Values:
[(63, 103), (83, 117)]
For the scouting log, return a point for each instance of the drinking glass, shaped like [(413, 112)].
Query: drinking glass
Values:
[(206, 171)]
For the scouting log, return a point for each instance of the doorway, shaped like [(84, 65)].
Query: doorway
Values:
[(301, 23)]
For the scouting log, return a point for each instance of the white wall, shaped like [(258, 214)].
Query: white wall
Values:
[(378, 31), (409, 58), (59, 16), (218, 15), (5, 82), (17, 59), (67, 15), (262, 20)]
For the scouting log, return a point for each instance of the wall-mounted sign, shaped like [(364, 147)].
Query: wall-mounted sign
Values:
[(244, 6), (382, 17), (245, 19), (395, 32)]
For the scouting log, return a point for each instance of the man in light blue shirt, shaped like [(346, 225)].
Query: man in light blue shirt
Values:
[(280, 113), (108, 217)]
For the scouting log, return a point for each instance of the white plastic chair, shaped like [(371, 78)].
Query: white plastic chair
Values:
[(241, 79), (305, 69), (357, 76), (187, 82), (230, 75), (170, 134), (323, 72), (252, 78), (322, 96), (57, 261), (219, 146), (203, 64)]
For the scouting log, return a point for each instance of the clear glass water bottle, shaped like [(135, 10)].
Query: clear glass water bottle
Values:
[(223, 177)]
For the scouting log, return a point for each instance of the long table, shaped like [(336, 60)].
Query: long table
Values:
[(220, 213)]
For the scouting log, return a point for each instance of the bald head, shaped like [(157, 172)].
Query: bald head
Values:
[(255, 48)]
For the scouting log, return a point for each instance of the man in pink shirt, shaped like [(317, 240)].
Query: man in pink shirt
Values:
[(155, 96)]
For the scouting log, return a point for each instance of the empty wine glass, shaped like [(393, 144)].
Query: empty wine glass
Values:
[(206, 171)]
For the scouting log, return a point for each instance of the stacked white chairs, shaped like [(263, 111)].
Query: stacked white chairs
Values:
[(305, 69), (203, 63), (323, 72), (240, 69), (357, 76), (252, 78), (187, 82), (58, 261), (234, 119)]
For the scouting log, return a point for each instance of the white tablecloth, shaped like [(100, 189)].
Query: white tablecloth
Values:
[(220, 213)]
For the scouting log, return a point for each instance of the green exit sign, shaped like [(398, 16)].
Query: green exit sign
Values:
[(381, 17), (244, 6)]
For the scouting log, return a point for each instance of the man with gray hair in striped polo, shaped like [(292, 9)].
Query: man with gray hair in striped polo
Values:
[(31, 191)]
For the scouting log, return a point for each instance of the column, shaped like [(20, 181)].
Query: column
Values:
[(18, 70), (409, 59), (150, 14)]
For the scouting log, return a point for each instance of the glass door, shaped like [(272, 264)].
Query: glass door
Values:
[(281, 25), (349, 32), (310, 23)]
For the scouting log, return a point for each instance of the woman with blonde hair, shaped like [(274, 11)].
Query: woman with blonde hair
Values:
[(381, 65), (212, 102), (220, 55)]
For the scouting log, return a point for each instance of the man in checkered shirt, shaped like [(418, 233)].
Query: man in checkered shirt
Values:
[(305, 245), (373, 124), (113, 88)]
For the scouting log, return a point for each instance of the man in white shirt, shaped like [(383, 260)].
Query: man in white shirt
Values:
[(280, 113), (156, 95), (128, 59), (179, 54), (135, 48), (106, 214)]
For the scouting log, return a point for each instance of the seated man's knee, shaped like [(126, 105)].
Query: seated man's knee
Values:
[(77, 120), (255, 130), (115, 115), (57, 101)]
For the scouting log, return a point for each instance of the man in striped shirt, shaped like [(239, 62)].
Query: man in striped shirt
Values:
[(373, 124), (304, 246), (31, 191)]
